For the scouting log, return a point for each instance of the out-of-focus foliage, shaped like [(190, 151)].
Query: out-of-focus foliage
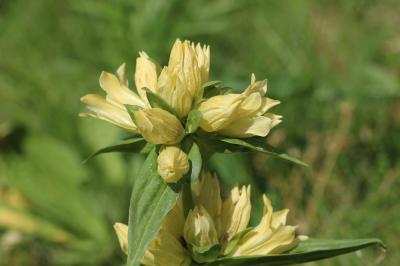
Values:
[(335, 65)]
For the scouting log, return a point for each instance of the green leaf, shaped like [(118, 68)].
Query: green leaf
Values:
[(235, 240), (131, 111), (210, 85), (158, 102), (151, 200), (258, 144), (306, 251), (206, 253), (193, 121), (136, 145), (197, 162)]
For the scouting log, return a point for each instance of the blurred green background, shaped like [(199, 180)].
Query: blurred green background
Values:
[(335, 65)]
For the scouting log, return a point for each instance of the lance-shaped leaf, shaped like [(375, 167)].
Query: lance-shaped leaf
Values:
[(309, 250), (205, 254), (151, 200), (193, 121), (257, 144), (158, 102), (196, 162), (208, 86), (134, 145)]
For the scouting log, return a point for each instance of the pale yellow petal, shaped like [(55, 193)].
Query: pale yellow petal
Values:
[(279, 218), (256, 86), (122, 234), (121, 72), (117, 93), (108, 111), (172, 88), (249, 126), (145, 75), (235, 215)]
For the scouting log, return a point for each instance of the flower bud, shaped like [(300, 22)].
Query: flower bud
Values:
[(271, 236), (158, 126), (173, 163), (199, 228), (235, 212)]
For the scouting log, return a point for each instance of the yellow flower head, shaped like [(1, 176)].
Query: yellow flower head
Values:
[(199, 229), (236, 211), (271, 236), (177, 84), (158, 126), (240, 115), (172, 164), (187, 70)]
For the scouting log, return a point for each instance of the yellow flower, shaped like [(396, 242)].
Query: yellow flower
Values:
[(187, 70), (172, 164), (199, 229), (158, 126), (164, 250), (111, 108), (271, 236), (240, 115), (178, 82), (236, 211)]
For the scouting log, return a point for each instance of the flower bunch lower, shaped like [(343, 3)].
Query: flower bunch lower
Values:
[(214, 228)]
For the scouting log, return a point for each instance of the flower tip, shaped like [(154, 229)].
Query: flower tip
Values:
[(84, 98), (143, 54), (84, 115), (302, 237), (121, 68)]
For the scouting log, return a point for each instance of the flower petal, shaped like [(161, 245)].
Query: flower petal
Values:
[(117, 93), (145, 75), (107, 111)]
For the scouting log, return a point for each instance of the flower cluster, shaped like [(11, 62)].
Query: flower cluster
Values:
[(214, 222), (180, 88)]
